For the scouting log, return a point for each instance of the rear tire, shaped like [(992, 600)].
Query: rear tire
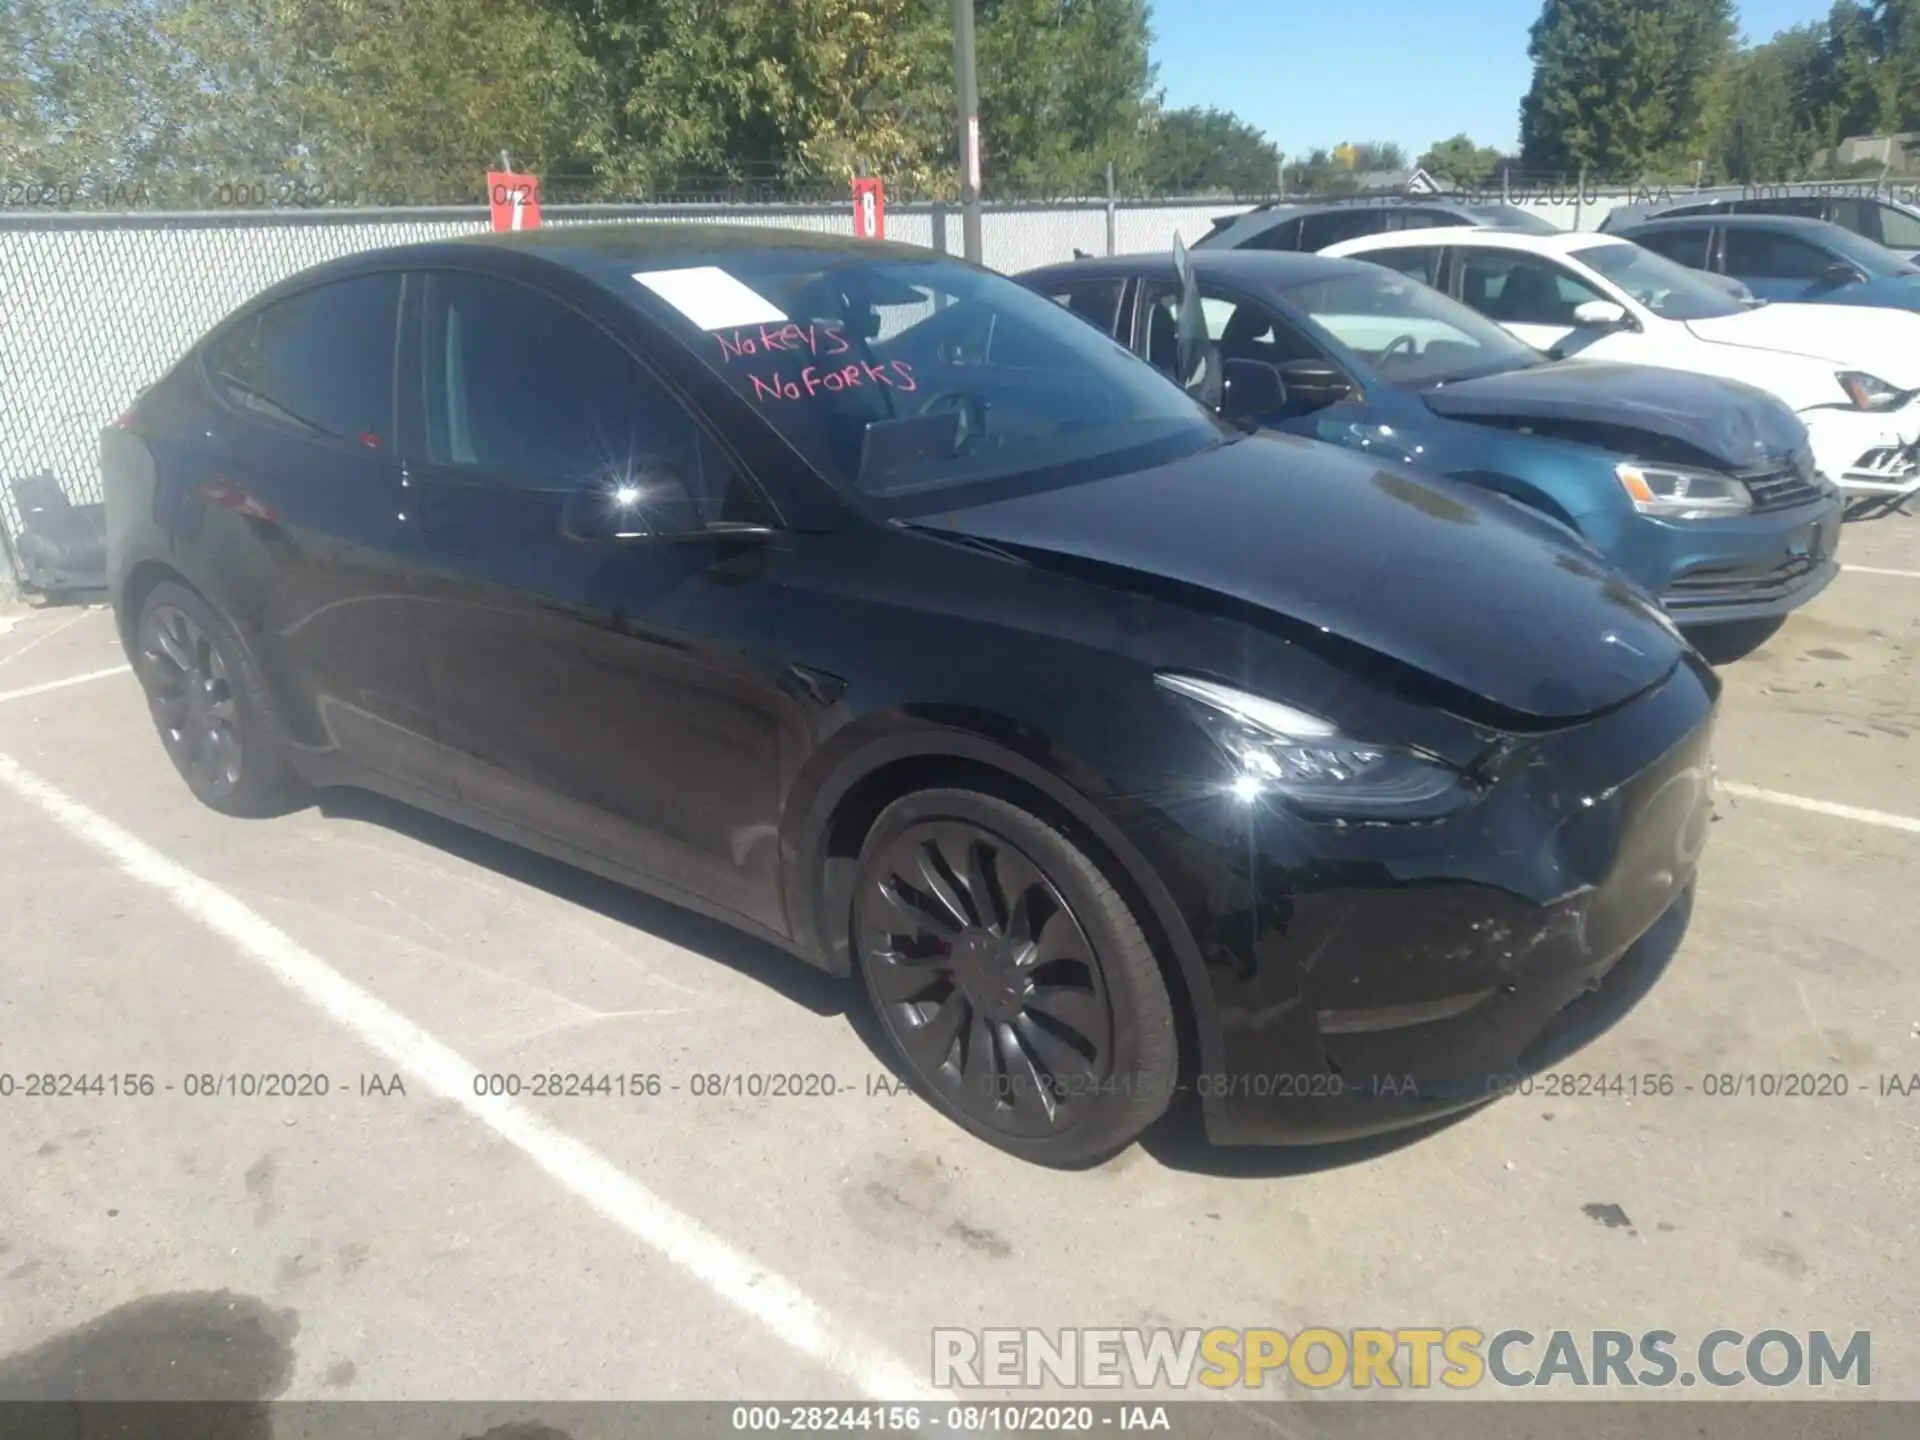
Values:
[(211, 707), (1014, 983)]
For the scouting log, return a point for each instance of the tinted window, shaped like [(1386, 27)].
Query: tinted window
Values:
[(1521, 289), (904, 379), (1899, 229), (518, 387), (321, 362), (1095, 301), (1421, 219), (1852, 213), (1421, 262), (1332, 226), (1284, 236), (1767, 256), (1686, 246)]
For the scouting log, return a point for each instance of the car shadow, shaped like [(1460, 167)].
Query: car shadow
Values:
[(1178, 1140), (788, 976)]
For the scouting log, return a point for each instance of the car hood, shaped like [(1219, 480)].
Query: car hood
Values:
[(1884, 343), (1333, 549), (1735, 424), (1893, 292)]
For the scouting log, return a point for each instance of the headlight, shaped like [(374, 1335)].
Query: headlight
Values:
[(1683, 494), (1869, 392), (1307, 762)]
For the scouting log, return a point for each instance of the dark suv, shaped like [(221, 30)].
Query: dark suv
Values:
[(1281, 226), (1880, 218)]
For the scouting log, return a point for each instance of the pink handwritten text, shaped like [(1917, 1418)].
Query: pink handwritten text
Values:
[(895, 374), (769, 339)]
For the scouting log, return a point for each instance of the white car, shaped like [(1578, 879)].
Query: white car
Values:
[(1852, 372)]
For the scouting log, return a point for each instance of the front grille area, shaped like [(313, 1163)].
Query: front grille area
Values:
[(1726, 585), (1885, 462), (1793, 483)]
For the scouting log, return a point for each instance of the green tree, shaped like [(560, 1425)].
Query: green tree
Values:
[(1759, 123), (1460, 161), (1621, 87), (1196, 152), (1065, 87)]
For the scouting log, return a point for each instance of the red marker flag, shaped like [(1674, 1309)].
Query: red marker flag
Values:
[(869, 210), (514, 200)]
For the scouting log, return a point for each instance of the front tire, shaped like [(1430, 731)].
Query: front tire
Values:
[(1014, 983), (211, 708)]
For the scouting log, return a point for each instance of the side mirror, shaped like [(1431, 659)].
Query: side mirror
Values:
[(1313, 383), (644, 508), (1841, 273), (1599, 315), (1253, 389)]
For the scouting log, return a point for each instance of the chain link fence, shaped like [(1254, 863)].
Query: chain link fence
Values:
[(97, 306)]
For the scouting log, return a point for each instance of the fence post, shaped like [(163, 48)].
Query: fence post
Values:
[(1110, 204), (940, 226), (1580, 197)]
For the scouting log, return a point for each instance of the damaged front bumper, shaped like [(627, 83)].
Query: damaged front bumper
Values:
[(1369, 977), (1867, 454)]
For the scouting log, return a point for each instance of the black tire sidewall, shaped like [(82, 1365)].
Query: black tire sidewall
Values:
[(267, 784), (1145, 1060)]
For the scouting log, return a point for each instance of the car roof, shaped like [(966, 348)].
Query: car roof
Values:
[(1790, 224), (1263, 218), (1563, 242), (604, 252), (1269, 269)]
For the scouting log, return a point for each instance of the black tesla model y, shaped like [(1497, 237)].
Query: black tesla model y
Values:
[(891, 612)]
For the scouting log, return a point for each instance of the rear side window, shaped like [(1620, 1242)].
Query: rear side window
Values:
[(320, 362), (1688, 245), (1284, 236), (1319, 231), (1095, 301)]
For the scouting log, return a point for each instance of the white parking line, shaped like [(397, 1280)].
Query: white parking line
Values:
[(780, 1307), (1823, 807), (41, 689), (45, 636), (1876, 570)]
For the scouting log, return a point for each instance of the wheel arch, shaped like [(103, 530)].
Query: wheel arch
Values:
[(826, 845)]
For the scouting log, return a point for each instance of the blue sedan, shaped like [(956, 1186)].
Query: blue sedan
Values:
[(1783, 257), (1701, 490)]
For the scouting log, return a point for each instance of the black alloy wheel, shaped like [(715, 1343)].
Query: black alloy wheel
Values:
[(1011, 977), (210, 708)]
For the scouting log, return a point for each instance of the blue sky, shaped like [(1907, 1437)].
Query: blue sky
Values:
[(1411, 71)]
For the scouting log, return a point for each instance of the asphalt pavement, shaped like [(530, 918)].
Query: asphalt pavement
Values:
[(401, 1237)]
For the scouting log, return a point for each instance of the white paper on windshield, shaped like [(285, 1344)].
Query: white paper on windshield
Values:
[(711, 298)]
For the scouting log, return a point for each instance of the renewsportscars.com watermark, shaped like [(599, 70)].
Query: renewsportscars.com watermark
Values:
[(1409, 1358)]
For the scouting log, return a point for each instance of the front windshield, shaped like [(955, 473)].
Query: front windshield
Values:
[(1876, 261), (1668, 289), (1407, 331), (903, 379)]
